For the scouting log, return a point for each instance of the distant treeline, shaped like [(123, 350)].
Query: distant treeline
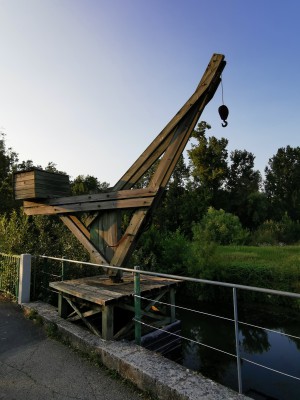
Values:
[(215, 198)]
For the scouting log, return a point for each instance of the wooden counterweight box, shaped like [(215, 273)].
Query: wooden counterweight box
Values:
[(39, 184)]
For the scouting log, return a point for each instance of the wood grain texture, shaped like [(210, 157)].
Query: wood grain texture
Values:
[(40, 184), (102, 291)]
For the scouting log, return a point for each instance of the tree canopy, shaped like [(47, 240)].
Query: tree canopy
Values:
[(283, 182), (220, 193)]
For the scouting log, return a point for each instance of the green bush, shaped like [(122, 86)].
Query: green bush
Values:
[(38, 235), (167, 252), (273, 232), (220, 227)]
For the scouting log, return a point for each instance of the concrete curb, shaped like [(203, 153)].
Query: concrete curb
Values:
[(149, 371)]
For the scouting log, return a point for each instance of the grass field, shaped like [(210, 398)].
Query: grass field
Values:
[(274, 257), (276, 267), (273, 267)]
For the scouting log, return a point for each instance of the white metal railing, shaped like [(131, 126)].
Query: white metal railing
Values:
[(235, 287)]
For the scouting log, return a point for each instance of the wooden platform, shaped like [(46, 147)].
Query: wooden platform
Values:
[(98, 294)]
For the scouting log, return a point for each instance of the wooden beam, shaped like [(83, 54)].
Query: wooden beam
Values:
[(181, 136), (96, 202), (123, 252), (42, 209), (87, 244), (143, 312), (102, 238), (85, 314), (86, 322), (210, 77), (80, 226), (96, 197), (190, 113), (145, 161)]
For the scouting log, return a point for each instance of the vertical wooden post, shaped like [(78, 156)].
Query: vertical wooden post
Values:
[(172, 302), (137, 306), (62, 306), (108, 322)]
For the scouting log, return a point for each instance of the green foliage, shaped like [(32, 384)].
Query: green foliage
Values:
[(216, 227), (8, 160), (148, 251), (220, 227), (243, 181), (256, 210), (175, 253), (15, 233), (9, 274), (281, 232), (208, 160), (282, 182), (273, 267), (19, 233), (87, 184), (162, 252)]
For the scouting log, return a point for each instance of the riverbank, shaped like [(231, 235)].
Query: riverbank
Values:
[(150, 372)]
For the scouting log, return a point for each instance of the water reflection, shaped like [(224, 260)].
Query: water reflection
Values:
[(254, 340), (271, 349), (208, 331)]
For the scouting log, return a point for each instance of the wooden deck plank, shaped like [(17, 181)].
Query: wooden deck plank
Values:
[(101, 290)]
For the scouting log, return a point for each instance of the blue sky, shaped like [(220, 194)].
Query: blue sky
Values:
[(89, 84)]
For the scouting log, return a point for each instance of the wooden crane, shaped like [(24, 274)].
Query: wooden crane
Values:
[(100, 233)]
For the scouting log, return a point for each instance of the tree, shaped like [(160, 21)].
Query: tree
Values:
[(282, 184), (87, 184), (220, 227), (243, 181), (19, 233), (256, 210), (170, 216), (209, 162), (8, 160)]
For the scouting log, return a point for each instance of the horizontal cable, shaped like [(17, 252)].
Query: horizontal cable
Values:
[(269, 330), (180, 278), (48, 273), (184, 308), (182, 337), (220, 317), (270, 369)]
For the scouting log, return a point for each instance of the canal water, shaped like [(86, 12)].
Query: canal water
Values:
[(273, 350)]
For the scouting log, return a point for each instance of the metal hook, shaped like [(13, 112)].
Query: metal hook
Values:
[(224, 112)]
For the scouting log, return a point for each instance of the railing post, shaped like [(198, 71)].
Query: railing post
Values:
[(137, 306), (24, 279), (237, 343)]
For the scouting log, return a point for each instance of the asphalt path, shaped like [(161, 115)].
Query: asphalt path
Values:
[(36, 367)]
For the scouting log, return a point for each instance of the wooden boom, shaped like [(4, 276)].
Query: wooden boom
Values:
[(100, 233)]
